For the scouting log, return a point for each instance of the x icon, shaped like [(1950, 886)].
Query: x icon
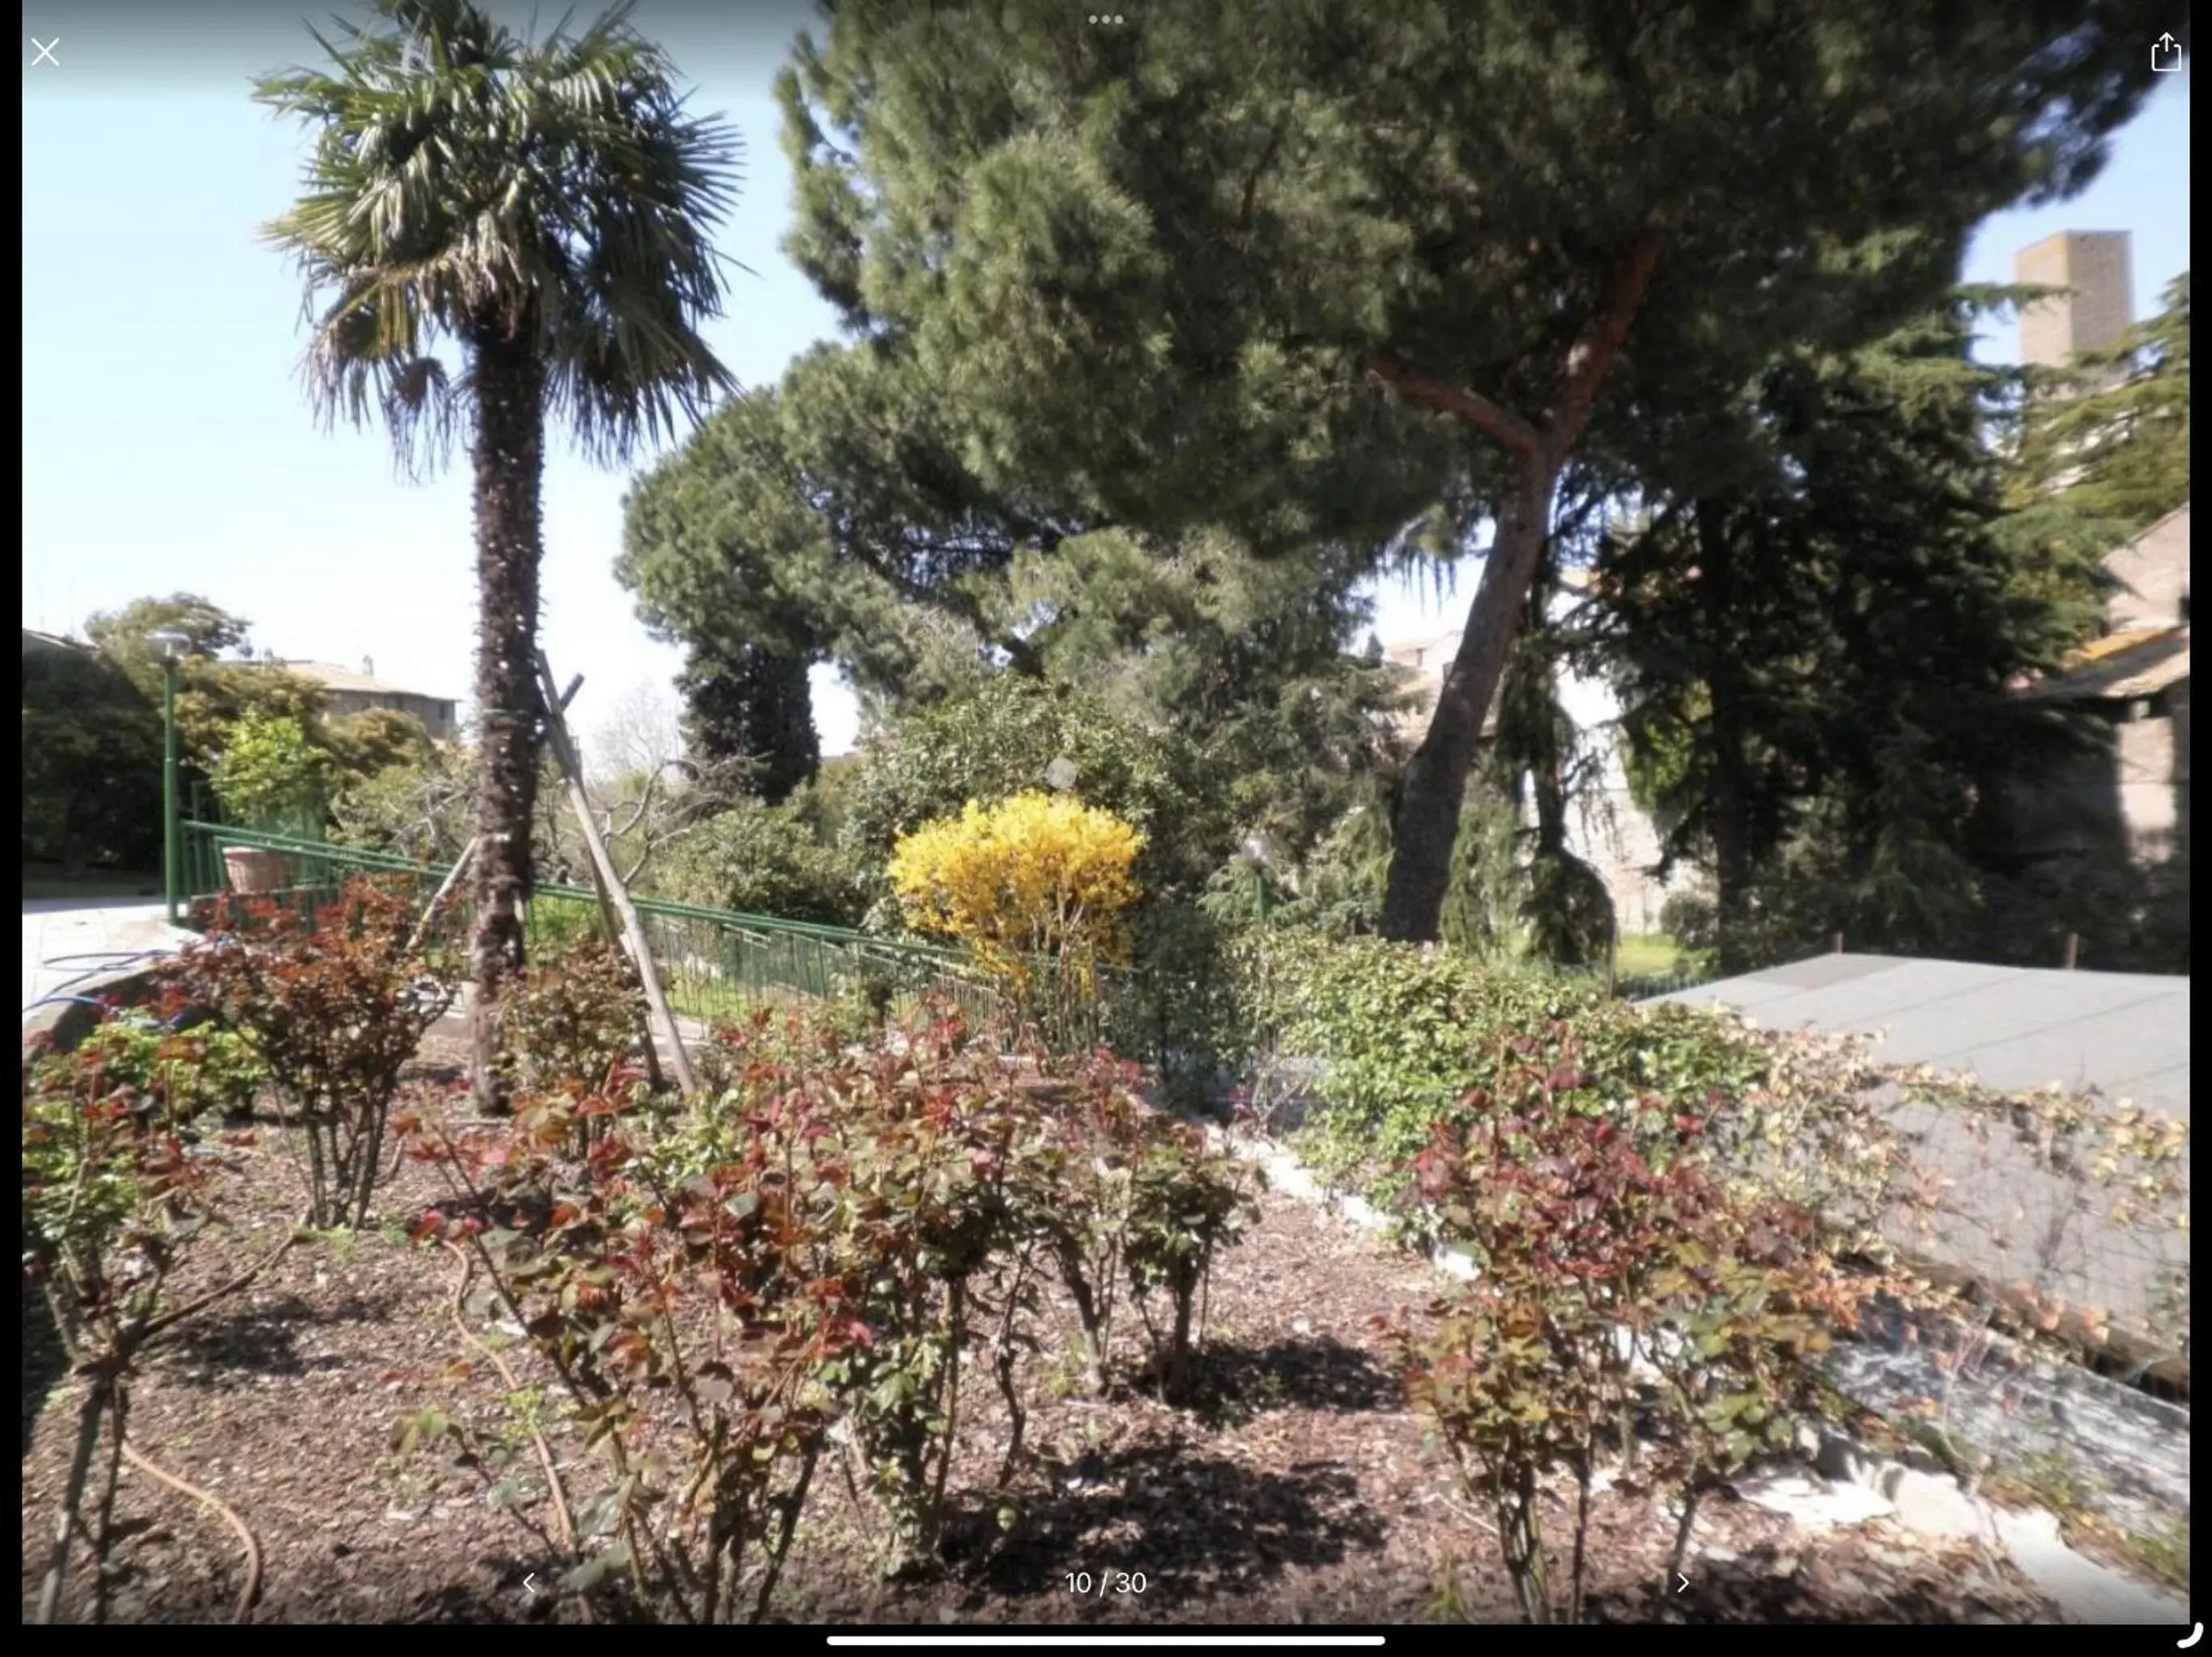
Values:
[(46, 51)]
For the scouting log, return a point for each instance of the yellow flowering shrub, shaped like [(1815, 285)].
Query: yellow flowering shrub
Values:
[(1034, 875)]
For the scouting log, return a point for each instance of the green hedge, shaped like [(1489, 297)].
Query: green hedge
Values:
[(1409, 1036)]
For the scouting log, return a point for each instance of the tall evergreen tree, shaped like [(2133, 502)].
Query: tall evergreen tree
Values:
[(750, 713), (1539, 761), (2108, 435), (1157, 266), (1824, 651), (834, 518), (832, 515)]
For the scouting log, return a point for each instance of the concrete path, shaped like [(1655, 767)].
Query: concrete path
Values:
[(73, 946)]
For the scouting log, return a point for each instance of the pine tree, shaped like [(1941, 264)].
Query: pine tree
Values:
[(1163, 269), (832, 520), (749, 714)]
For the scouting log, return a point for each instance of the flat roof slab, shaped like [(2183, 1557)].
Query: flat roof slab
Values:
[(2125, 1034)]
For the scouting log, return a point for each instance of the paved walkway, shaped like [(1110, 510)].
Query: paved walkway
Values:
[(73, 946)]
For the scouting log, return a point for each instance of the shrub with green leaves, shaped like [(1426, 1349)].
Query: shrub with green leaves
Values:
[(1014, 736), (104, 1155), (1407, 1031), (717, 1291), (1411, 1036), (1185, 1204), (564, 922), (272, 775), (766, 860), (116, 1187), (1128, 1204), (832, 1240), (184, 1071)]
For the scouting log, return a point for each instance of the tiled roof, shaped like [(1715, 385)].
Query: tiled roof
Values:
[(2099, 649), (2122, 667), (34, 639), (333, 677)]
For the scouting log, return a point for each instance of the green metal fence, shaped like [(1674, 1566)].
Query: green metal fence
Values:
[(713, 963)]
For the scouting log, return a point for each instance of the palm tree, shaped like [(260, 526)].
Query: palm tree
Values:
[(542, 206)]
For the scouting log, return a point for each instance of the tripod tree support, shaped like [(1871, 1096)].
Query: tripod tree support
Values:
[(615, 903)]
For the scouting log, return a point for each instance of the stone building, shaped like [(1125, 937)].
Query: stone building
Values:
[(2098, 306), (2128, 796), (350, 693)]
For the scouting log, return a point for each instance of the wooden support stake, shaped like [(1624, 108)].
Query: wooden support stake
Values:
[(564, 751), (610, 915), (612, 896), (445, 890)]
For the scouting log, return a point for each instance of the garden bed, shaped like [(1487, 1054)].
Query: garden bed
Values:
[(1296, 1486)]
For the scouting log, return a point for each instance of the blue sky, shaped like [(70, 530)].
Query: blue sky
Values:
[(167, 444)]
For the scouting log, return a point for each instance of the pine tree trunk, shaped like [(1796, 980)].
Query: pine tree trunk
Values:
[(1731, 795), (1436, 779), (1731, 846), (509, 466), (1548, 744)]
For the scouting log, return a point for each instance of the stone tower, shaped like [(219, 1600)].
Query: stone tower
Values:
[(2093, 264)]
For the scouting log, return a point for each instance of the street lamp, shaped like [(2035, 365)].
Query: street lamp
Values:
[(172, 646), (1259, 852)]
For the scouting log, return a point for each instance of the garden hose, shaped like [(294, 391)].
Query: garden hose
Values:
[(108, 961), (251, 1590)]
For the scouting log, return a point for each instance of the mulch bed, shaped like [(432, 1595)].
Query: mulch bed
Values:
[(1296, 1487)]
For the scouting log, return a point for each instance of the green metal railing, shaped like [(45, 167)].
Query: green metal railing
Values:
[(713, 963)]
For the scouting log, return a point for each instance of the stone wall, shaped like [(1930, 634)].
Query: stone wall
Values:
[(2149, 764), (2153, 575), (1610, 832)]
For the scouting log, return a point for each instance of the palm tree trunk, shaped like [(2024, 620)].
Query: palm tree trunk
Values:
[(509, 459)]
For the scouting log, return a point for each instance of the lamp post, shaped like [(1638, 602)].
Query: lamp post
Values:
[(1260, 853), (173, 835)]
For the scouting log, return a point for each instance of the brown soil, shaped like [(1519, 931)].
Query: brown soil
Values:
[(1296, 1488)]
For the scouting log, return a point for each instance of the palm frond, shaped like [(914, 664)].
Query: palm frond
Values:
[(467, 185)]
